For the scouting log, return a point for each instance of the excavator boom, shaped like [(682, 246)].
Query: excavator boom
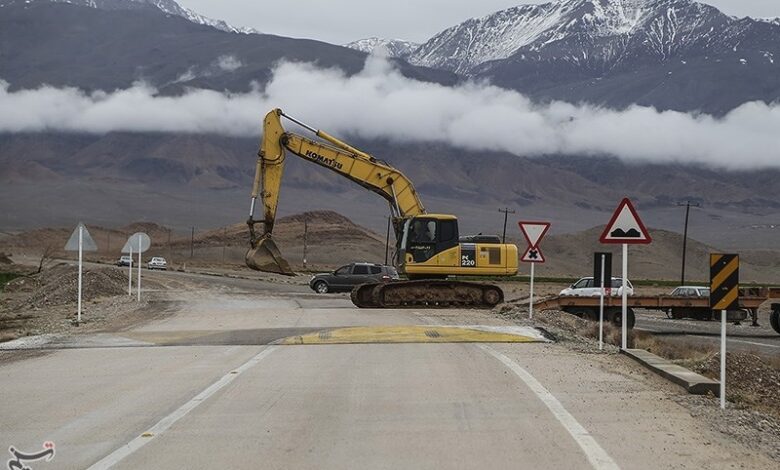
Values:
[(330, 153)]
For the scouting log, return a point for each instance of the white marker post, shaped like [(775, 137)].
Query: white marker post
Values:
[(138, 287), (81, 253), (531, 297), (137, 243), (723, 315), (601, 306), (130, 274), (80, 240), (624, 321)]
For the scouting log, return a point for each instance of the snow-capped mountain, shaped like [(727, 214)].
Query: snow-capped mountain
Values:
[(775, 20), (169, 7), (395, 47), (595, 34)]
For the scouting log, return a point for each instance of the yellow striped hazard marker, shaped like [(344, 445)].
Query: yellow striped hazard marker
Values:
[(724, 281)]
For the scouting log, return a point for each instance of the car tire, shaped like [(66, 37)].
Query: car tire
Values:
[(321, 287)]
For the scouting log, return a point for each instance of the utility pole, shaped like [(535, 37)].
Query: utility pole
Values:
[(170, 252), (387, 241), (688, 205), (192, 243), (224, 244), (506, 212), (305, 234)]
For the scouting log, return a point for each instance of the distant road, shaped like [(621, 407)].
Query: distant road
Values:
[(743, 337)]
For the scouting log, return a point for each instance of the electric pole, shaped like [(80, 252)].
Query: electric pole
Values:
[(387, 241), (305, 241), (688, 205), (192, 243), (224, 243), (506, 212)]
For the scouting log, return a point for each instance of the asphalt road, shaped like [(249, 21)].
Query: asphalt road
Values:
[(211, 386), (743, 337)]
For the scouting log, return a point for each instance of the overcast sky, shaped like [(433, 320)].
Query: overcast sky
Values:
[(340, 21)]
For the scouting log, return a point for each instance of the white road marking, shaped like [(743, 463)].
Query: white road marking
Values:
[(152, 433), (754, 343), (732, 340), (597, 456)]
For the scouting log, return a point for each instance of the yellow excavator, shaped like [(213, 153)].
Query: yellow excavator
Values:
[(428, 246)]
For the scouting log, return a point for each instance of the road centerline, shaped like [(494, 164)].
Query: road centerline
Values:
[(597, 456), (164, 424)]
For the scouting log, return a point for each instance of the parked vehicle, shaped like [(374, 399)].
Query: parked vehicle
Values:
[(584, 288), (124, 260), (691, 291), (157, 262), (701, 292), (346, 277)]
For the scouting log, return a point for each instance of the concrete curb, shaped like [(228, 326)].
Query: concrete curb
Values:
[(692, 382)]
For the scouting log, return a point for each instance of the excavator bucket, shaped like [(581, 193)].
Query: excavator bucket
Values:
[(265, 256)]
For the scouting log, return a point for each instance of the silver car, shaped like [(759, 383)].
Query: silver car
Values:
[(157, 262)]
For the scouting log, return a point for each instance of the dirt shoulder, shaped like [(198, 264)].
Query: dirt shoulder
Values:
[(752, 416), (46, 302)]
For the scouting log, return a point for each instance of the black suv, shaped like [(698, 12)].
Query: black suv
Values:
[(351, 275)]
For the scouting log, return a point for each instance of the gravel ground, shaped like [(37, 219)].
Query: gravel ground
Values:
[(47, 302)]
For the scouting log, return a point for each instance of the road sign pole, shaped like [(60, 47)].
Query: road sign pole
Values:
[(81, 252), (724, 296), (130, 274), (723, 315), (138, 287), (531, 297), (624, 322), (601, 306)]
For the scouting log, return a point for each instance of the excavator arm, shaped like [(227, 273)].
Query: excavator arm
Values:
[(330, 153)]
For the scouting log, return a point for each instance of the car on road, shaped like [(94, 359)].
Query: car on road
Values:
[(346, 277), (691, 291), (124, 260), (157, 262), (585, 288)]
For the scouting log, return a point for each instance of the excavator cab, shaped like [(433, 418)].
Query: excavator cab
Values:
[(429, 246), (426, 236)]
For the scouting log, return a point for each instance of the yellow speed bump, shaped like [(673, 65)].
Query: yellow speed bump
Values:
[(413, 334)]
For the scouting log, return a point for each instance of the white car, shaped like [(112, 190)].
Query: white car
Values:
[(157, 262), (691, 291), (584, 288)]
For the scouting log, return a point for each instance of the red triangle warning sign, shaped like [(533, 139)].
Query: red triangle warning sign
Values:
[(625, 226), (533, 255)]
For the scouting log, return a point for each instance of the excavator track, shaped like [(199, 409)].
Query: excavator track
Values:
[(427, 294)]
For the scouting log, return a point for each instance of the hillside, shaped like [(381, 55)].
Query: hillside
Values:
[(572, 255), (333, 240)]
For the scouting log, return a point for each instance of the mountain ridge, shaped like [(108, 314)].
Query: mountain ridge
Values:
[(170, 7)]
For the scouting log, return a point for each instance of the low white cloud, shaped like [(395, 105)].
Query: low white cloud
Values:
[(381, 103), (228, 63)]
